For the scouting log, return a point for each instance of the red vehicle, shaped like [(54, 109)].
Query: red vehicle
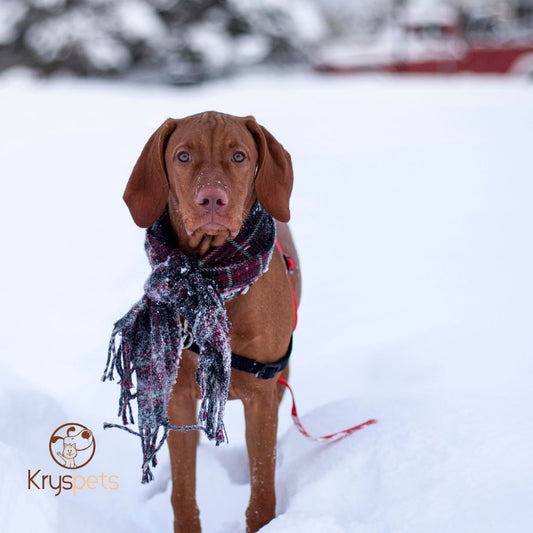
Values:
[(427, 47)]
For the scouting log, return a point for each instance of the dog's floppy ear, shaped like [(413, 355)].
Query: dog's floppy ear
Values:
[(274, 178), (146, 193)]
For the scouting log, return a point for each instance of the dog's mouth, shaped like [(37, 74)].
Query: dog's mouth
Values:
[(203, 236), (213, 225), (213, 229)]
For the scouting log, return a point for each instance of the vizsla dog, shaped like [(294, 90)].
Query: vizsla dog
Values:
[(209, 169)]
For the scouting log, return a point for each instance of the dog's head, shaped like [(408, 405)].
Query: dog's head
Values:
[(209, 169)]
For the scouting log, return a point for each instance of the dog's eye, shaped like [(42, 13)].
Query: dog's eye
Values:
[(238, 157), (185, 157)]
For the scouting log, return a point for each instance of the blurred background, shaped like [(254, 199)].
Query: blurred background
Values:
[(190, 41)]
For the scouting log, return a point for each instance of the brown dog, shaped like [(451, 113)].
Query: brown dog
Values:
[(209, 169)]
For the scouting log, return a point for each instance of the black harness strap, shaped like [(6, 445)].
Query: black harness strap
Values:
[(261, 370)]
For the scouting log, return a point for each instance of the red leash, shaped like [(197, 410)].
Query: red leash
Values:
[(328, 438), (334, 437)]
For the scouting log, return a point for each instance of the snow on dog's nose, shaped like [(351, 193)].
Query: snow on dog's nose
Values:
[(212, 199)]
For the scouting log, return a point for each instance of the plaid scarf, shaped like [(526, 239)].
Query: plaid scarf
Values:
[(152, 332)]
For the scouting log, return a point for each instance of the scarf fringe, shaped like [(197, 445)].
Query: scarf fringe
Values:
[(211, 415), (214, 383), (119, 359)]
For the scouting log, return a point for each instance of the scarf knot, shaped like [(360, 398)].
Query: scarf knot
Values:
[(148, 341)]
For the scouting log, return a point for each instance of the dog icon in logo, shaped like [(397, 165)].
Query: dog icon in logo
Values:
[(72, 445)]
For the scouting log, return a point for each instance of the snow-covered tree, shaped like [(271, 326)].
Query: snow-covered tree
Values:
[(165, 40)]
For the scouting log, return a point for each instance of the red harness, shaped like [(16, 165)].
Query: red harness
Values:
[(289, 263)]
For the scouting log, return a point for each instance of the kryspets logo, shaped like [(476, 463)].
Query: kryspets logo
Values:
[(71, 446)]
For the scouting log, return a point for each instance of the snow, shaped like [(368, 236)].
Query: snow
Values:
[(11, 13), (53, 37), (412, 215), (425, 12), (137, 21), (211, 39)]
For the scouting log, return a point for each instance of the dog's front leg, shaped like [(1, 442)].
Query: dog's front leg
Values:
[(261, 414), (182, 447)]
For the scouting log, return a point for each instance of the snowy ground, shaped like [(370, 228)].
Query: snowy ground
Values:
[(412, 213)]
